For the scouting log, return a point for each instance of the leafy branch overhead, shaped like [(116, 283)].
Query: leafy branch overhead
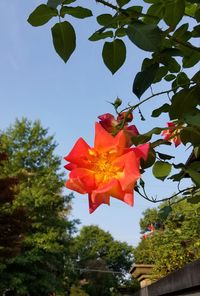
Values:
[(168, 32)]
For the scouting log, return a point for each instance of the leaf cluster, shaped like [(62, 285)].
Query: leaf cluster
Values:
[(161, 29), (175, 242)]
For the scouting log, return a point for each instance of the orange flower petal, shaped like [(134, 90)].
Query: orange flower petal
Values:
[(85, 177), (129, 198), (114, 189), (96, 199), (117, 192), (142, 151), (131, 172), (70, 166), (105, 141), (76, 185), (79, 153)]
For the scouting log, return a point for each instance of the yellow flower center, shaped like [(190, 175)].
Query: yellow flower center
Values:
[(102, 165)]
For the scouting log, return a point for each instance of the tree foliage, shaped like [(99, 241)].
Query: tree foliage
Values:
[(42, 264), (175, 240), (168, 32), (103, 262), (13, 222)]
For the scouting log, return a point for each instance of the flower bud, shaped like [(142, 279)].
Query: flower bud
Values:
[(117, 103)]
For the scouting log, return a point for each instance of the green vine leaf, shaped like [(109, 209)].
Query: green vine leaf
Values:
[(144, 79), (41, 15), (163, 109), (104, 19), (114, 54), (165, 156), (54, 3), (64, 39), (174, 11), (144, 138), (101, 35), (194, 175), (193, 119), (146, 36), (78, 12), (122, 2)]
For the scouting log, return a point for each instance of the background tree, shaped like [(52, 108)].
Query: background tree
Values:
[(168, 32), (102, 261), (13, 222), (175, 240), (43, 263)]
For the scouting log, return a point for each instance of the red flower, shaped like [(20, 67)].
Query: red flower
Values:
[(110, 124), (172, 134), (107, 169)]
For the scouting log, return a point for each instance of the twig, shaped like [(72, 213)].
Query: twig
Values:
[(153, 200), (185, 44), (131, 108)]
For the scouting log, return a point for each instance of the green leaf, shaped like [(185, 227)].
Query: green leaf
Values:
[(174, 11), (64, 39), (54, 3), (66, 2), (41, 15), (146, 36), (197, 152), (196, 31), (184, 102), (161, 170), (122, 2), (141, 139), (182, 79), (194, 199), (196, 77), (98, 35), (182, 32), (144, 79), (165, 156), (190, 9), (172, 64), (104, 19), (134, 11), (163, 109), (161, 72), (114, 54), (191, 58), (194, 175), (78, 12), (197, 15), (170, 77), (164, 212), (151, 1), (190, 135), (193, 119), (154, 13), (120, 32), (150, 159), (176, 177)]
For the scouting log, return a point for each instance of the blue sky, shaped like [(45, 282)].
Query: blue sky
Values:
[(67, 98)]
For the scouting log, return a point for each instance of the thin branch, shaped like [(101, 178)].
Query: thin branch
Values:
[(161, 93), (113, 7), (123, 11), (131, 108), (153, 200), (185, 44)]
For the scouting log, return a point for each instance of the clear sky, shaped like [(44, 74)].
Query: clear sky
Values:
[(67, 98)]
